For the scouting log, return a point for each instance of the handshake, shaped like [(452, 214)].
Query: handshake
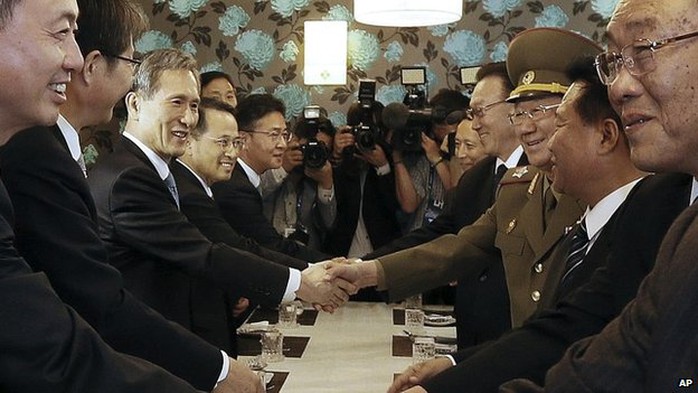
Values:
[(328, 284)]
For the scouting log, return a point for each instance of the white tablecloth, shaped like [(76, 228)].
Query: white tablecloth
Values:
[(349, 351)]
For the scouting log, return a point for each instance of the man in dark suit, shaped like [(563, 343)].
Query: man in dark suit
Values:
[(261, 118), (210, 158), (477, 320), (57, 230), (584, 293), (652, 345), (46, 346), (159, 252)]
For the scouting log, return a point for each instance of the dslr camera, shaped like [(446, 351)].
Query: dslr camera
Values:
[(315, 152), (365, 130)]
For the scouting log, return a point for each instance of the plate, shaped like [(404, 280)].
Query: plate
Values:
[(439, 320)]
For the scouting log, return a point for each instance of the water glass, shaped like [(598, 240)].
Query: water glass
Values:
[(272, 346), (288, 314), (423, 349)]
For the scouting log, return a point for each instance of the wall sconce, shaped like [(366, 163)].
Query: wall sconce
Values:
[(407, 13), (325, 52)]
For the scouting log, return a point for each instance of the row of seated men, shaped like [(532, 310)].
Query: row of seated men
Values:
[(558, 255)]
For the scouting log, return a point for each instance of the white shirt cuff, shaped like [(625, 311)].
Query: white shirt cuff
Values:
[(226, 366), (383, 170), (453, 361), (325, 196), (294, 283)]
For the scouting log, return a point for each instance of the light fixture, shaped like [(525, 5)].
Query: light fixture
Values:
[(407, 13), (325, 52)]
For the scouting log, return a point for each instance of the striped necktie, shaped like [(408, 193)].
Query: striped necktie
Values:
[(172, 186), (580, 242)]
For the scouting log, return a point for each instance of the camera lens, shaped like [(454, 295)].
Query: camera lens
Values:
[(315, 154)]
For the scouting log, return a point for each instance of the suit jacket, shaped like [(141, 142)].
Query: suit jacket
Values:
[(211, 306), (596, 292), (651, 346), (243, 208), (57, 233), (47, 347), (378, 208), (159, 252), (514, 226)]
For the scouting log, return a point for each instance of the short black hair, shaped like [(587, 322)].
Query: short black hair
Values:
[(256, 106), (210, 76), (447, 101), (109, 26), (593, 104), (209, 104), (496, 69)]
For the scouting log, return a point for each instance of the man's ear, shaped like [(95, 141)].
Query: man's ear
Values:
[(93, 61), (133, 105), (610, 135)]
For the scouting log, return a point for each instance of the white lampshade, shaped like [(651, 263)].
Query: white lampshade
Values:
[(325, 52), (407, 13)]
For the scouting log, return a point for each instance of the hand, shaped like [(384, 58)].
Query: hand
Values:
[(327, 294), (293, 156), (323, 176), (375, 157), (431, 148), (418, 373), (240, 306), (240, 379), (342, 139), (361, 275)]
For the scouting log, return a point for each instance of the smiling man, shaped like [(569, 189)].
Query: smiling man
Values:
[(159, 252), (261, 120)]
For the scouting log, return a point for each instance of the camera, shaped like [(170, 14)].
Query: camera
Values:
[(361, 117), (315, 152)]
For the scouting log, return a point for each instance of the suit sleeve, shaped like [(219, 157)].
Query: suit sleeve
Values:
[(241, 208), (145, 218), (47, 347), (208, 219), (444, 259)]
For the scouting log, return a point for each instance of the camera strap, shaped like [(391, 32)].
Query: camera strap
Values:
[(434, 207)]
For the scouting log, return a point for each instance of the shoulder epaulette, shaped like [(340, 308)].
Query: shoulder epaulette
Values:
[(520, 174)]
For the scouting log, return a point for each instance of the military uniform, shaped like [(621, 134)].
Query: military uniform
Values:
[(514, 226)]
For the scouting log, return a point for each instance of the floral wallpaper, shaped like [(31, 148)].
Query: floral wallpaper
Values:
[(260, 43)]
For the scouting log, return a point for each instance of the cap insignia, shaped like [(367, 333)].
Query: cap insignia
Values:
[(528, 77)]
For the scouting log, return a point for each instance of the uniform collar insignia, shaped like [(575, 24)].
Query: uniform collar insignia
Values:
[(532, 185), (520, 171)]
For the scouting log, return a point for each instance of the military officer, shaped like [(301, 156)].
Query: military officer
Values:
[(528, 217)]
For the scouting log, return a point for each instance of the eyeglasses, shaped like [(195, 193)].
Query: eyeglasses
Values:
[(131, 61), (480, 111), (638, 58), (275, 136), (226, 142), (535, 114)]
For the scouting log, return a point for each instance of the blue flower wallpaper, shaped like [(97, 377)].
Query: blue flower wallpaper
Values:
[(260, 42)]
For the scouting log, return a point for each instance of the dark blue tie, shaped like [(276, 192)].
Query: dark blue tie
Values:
[(580, 242)]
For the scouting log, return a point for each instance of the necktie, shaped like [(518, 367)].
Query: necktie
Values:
[(501, 170), (172, 186), (580, 242), (81, 162)]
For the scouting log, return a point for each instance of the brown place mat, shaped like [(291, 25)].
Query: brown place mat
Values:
[(402, 346), (308, 317), (399, 314), (277, 381), (293, 346)]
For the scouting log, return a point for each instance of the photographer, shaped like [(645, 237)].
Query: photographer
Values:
[(364, 183), (422, 174), (304, 207)]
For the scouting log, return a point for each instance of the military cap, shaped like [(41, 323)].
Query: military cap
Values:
[(538, 59)]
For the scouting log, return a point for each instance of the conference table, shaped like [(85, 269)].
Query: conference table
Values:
[(359, 348)]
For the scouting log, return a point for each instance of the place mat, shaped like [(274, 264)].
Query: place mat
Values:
[(277, 381), (308, 317), (402, 346), (399, 314), (293, 346)]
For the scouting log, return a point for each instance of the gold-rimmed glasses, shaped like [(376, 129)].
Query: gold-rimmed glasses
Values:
[(480, 111), (275, 136), (226, 143), (534, 114)]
